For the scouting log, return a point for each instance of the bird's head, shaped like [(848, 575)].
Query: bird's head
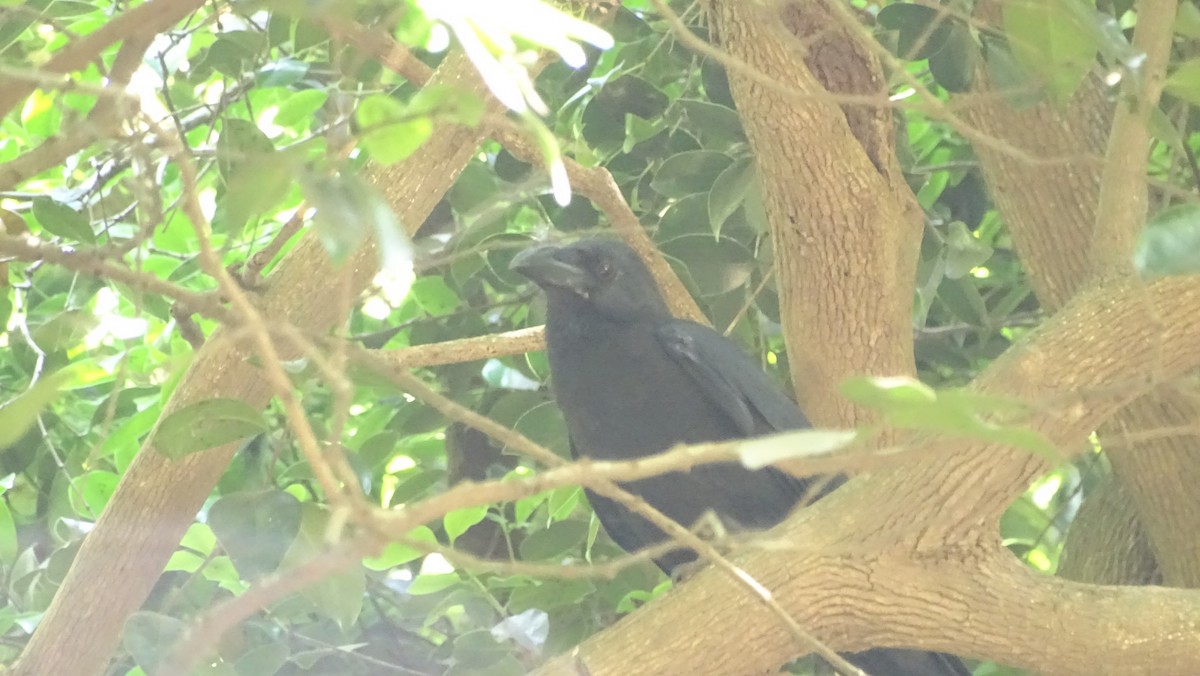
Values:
[(602, 275)]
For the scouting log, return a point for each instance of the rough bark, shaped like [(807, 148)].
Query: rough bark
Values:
[(1048, 191), (845, 226), (158, 498), (1109, 546), (928, 572)]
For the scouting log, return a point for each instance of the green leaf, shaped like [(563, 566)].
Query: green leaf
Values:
[(1187, 20), (478, 649), (428, 583), (398, 553), (281, 73), (1170, 243), (962, 297), (15, 23), (449, 103), (207, 424), (687, 216), (887, 393), (389, 133), (543, 423), (562, 501), (435, 296), (340, 594), (549, 594), (149, 636), (233, 52), (910, 404), (8, 536), (256, 185), (1008, 76), (264, 659), (638, 130), (64, 221), (241, 141), (349, 209), (689, 172), (715, 265), (718, 126), (64, 330), (730, 190), (185, 561), (953, 67), (21, 412), (42, 113), (92, 491), (256, 529), (199, 538), (300, 106), (555, 542), (1048, 39), (923, 31), (1184, 82), (457, 522), (1164, 129)]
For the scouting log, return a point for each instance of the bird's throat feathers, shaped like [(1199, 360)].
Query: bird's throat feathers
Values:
[(571, 319)]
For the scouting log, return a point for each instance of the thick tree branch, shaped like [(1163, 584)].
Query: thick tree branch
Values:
[(1052, 212), (1108, 544), (930, 573), (844, 223)]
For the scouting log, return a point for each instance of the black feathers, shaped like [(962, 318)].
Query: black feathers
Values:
[(633, 381)]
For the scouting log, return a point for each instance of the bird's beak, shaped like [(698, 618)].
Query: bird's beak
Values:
[(544, 266)]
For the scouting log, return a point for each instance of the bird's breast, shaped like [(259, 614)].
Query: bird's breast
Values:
[(623, 396)]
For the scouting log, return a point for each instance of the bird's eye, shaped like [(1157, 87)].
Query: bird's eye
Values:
[(605, 270)]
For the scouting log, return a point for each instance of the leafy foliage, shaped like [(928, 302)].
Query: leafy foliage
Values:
[(279, 119)]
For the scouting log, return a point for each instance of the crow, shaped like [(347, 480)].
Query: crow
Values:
[(632, 380)]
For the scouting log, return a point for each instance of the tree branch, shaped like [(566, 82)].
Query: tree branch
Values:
[(929, 572), (147, 19), (1121, 211)]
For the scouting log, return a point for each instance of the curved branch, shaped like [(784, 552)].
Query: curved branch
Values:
[(928, 572)]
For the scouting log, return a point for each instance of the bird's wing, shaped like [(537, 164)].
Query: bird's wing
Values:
[(733, 382), (895, 662)]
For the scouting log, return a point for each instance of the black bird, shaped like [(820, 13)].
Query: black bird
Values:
[(633, 381)]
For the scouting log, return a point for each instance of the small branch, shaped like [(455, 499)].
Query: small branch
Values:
[(597, 476), (605, 570), (1124, 200), (206, 632), (331, 468), (595, 183), (462, 350), (92, 262), (252, 272), (376, 43), (147, 19), (932, 105), (598, 185), (101, 120)]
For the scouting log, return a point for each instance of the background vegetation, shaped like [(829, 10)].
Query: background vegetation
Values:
[(229, 445)]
